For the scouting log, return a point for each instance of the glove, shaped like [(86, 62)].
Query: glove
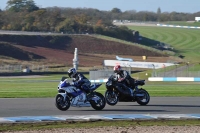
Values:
[(120, 79)]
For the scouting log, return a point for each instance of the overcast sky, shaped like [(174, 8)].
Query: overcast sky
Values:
[(187, 6)]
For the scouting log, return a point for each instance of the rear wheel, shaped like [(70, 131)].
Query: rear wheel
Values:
[(111, 98), (145, 99), (62, 104), (98, 101)]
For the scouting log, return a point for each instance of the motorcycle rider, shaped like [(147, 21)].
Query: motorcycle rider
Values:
[(79, 80), (125, 80)]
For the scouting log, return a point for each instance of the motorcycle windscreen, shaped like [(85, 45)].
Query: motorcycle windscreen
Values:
[(64, 84)]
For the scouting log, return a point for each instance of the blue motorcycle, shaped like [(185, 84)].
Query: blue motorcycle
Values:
[(69, 95)]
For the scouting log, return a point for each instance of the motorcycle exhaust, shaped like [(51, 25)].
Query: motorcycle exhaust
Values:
[(139, 95), (85, 105), (81, 105)]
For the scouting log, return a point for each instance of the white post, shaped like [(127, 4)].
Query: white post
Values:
[(75, 60)]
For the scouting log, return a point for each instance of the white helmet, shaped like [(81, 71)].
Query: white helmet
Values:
[(117, 69)]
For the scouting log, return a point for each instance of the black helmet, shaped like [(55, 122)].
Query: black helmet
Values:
[(71, 72)]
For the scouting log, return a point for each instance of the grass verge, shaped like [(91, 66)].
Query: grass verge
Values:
[(47, 87)]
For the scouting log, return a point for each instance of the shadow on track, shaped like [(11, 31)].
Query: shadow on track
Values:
[(152, 105), (124, 110)]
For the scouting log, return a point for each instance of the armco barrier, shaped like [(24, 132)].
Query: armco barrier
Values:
[(177, 26), (34, 73), (193, 79), (99, 81)]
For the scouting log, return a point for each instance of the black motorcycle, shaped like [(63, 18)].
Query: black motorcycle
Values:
[(114, 93)]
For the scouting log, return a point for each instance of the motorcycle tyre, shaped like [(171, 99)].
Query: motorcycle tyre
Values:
[(95, 105), (60, 107), (108, 102), (147, 97)]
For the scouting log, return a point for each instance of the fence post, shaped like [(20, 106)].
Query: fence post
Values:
[(187, 69), (176, 70), (153, 73)]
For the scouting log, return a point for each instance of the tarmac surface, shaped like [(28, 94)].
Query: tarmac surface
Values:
[(12, 107)]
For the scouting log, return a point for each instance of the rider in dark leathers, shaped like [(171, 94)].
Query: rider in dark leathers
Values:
[(79, 80), (125, 81)]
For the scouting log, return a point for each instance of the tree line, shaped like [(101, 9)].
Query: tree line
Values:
[(25, 15)]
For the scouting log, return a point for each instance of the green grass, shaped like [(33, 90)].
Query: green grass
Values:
[(47, 87), (28, 89), (92, 124), (184, 41), (173, 90)]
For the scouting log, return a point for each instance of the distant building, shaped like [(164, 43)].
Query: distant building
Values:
[(197, 19)]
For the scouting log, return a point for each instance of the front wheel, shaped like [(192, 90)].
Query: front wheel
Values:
[(62, 104), (145, 99), (98, 101), (111, 98)]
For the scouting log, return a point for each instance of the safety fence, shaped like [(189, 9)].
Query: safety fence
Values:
[(177, 71), (23, 68), (104, 73), (96, 74)]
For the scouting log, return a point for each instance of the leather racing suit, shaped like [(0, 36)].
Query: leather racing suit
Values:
[(80, 81)]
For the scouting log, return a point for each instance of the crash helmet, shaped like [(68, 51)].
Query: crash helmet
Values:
[(117, 69), (71, 72)]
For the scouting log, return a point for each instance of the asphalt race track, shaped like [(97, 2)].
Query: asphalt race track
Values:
[(12, 107)]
